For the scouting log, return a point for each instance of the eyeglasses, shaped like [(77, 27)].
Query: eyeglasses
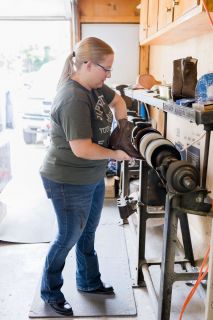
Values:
[(102, 67)]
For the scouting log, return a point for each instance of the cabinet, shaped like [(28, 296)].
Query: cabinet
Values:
[(165, 13), (182, 6), (143, 20), (152, 17), (171, 21), (148, 18), (171, 10)]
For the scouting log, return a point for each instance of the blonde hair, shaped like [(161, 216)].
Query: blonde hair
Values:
[(91, 48)]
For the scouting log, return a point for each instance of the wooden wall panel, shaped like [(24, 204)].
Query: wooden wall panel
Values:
[(158, 117), (107, 11)]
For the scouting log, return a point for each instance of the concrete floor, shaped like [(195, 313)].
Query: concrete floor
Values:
[(21, 264)]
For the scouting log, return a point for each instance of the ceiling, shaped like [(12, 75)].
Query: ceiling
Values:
[(35, 9)]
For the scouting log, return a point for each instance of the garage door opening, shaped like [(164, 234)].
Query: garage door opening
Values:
[(32, 54)]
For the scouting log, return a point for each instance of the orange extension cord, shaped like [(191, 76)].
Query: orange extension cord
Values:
[(201, 276), (207, 11)]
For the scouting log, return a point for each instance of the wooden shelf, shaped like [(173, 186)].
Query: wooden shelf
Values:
[(192, 24)]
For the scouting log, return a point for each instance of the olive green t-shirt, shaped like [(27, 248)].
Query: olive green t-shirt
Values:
[(77, 113)]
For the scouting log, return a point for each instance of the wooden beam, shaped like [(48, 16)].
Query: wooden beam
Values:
[(108, 11), (109, 19), (144, 60)]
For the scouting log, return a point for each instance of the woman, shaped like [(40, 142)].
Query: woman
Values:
[(74, 167)]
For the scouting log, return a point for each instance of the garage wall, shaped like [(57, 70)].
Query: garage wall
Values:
[(161, 57)]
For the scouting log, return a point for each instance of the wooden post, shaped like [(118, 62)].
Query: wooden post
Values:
[(144, 60)]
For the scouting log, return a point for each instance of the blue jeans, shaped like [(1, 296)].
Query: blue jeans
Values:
[(78, 210)]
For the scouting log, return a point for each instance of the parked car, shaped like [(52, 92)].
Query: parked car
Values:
[(36, 115), (36, 122)]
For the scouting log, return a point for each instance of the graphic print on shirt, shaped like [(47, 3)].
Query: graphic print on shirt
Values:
[(99, 107), (101, 112), (105, 117)]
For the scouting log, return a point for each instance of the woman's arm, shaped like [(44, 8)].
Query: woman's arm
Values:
[(86, 149), (119, 107)]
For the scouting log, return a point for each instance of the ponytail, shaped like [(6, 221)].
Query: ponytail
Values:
[(68, 70)]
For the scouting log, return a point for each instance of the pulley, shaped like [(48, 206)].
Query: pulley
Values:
[(182, 177)]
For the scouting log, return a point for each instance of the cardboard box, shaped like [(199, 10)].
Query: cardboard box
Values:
[(109, 187), (207, 106)]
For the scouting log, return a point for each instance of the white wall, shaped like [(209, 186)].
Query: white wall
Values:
[(124, 39), (161, 57)]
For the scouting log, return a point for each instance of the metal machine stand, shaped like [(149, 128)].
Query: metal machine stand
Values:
[(144, 215), (176, 207)]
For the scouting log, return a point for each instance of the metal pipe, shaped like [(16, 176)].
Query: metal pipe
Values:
[(150, 287), (205, 159), (165, 125), (168, 257), (187, 276), (125, 179)]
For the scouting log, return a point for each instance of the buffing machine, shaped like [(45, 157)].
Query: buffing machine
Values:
[(179, 180)]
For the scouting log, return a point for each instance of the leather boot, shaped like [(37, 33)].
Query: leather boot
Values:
[(121, 138), (189, 77), (184, 78), (177, 82)]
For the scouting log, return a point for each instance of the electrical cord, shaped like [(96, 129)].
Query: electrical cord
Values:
[(193, 142), (201, 276)]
